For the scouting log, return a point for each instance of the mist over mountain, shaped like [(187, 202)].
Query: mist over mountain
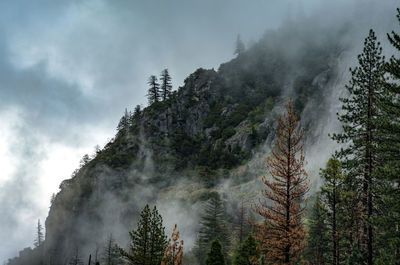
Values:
[(211, 136)]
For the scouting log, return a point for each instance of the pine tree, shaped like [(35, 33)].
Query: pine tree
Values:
[(388, 170), (318, 239), (359, 157), (247, 252), (124, 122), (212, 226), (240, 48), (148, 241), (331, 191), (158, 239), (137, 113), (39, 235), (166, 85), (215, 256), (174, 253), (111, 254), (153, 94), (84, 160), (282, 234), (242, 225)]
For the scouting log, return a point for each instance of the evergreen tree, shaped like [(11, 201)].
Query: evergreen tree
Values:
[(388, 169), (174, 253), (137, 113), (359, 157), (247, 252), (318, 239), (331, 190), (153, 94), (111, 254), (212, 226), (166, 85), (240, 48), (124, 122), (148, 241), (39, 235), (282, 234), (84, 160), (215, 256), (242, 226)]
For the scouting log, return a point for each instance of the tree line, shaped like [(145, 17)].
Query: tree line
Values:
[(355, 218)]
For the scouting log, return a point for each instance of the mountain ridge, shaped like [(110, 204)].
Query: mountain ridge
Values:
[(205, 134)]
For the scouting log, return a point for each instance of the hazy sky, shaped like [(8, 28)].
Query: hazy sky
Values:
[(68, 69)]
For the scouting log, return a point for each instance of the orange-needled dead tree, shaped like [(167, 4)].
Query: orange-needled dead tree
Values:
[(174, 252), (281, 235)]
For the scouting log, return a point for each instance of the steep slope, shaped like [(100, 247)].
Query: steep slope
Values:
[(210, 134)]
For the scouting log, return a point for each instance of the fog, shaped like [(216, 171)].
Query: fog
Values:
[(70, 68)]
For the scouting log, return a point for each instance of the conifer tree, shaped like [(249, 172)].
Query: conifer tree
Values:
[(124, 122), (166, 85), (137, 113), (242, 224), (111, 254), (215, 256), (153, 94), (282, 234), (318, 240), (247, 252), (331, 191), (388, 170), (240, 48), (174, 253), (148, 241), (212, 226), (39, 235), (359, 157)]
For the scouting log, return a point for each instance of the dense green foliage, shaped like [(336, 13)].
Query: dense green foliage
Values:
[(246, 252), (360, 193), (318, 240), (388, 170), (148, 241), (213, 226), (215, 256), (359, 158)]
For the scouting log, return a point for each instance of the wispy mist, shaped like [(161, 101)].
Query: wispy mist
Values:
[(69, 69)]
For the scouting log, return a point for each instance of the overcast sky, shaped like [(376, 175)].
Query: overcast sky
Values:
[(69, 68)]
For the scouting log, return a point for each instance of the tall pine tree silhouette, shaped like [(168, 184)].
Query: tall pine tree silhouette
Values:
[(39, 235), (153, 93), (388, 139), (359, 157), (212, 226), (166, 85), (148, 241)]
